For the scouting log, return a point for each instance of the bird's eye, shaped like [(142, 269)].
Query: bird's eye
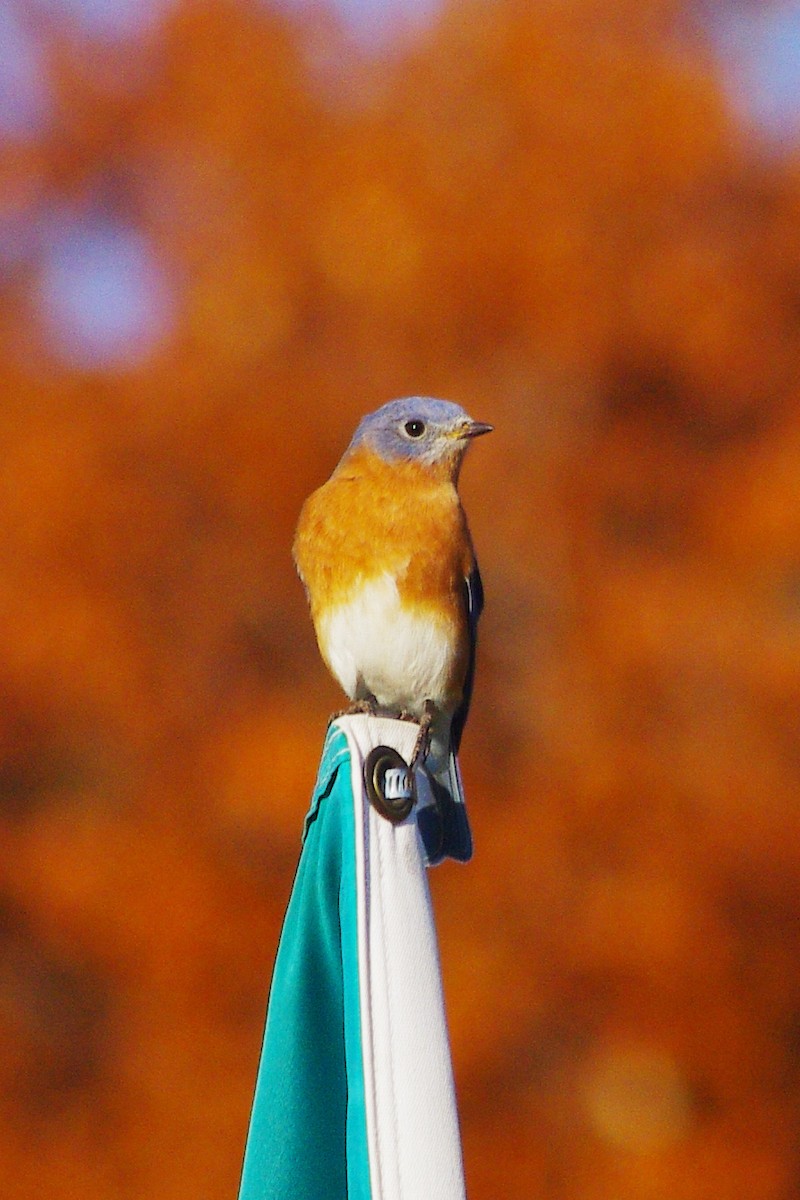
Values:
[(414, 429)]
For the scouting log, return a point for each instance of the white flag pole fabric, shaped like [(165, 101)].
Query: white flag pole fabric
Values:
[(354, 1096)]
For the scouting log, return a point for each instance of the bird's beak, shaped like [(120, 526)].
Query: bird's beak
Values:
[(474, 429)]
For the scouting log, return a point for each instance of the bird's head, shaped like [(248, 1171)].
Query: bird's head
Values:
[(434, 433)]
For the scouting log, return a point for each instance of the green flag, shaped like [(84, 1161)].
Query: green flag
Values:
[(354, 1096)]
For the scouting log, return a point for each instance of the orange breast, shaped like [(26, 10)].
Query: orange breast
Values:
[(403, 519)]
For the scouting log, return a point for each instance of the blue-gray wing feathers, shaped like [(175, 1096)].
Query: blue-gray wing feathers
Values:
[(446, 830), (473, 597)]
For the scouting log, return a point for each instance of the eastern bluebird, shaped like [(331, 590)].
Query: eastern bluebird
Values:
[(386, 557)]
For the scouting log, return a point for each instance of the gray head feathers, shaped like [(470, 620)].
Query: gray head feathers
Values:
[(418, 428)]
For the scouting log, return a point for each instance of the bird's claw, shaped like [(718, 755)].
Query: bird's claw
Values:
[(369, 706), (358, 707), (423, 742)]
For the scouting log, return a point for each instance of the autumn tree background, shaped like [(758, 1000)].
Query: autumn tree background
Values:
[(227, 229)]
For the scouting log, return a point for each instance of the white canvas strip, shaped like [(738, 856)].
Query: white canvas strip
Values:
[(412, 1121)]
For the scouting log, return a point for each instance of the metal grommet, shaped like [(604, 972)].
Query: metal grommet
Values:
[(390, 786)]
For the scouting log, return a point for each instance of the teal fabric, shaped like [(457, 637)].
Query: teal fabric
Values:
[(307, 1137)]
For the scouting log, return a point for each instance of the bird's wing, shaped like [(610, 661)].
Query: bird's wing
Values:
[(473, 599)]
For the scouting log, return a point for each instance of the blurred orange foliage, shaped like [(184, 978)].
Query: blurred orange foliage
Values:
[(546, 213)]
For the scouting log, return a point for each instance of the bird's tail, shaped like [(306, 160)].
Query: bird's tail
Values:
[(442, 815)]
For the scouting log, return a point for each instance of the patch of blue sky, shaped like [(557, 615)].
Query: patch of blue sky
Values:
[(759, 48), (24, 89), (372, 23), (102, 295), (110, 21)]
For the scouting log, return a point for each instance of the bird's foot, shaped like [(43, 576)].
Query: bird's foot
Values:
[(423, 742), (358, 707)]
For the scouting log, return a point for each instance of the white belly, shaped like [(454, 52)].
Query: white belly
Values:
[(373, 645)]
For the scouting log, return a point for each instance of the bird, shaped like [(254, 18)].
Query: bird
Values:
[(384, 552)]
